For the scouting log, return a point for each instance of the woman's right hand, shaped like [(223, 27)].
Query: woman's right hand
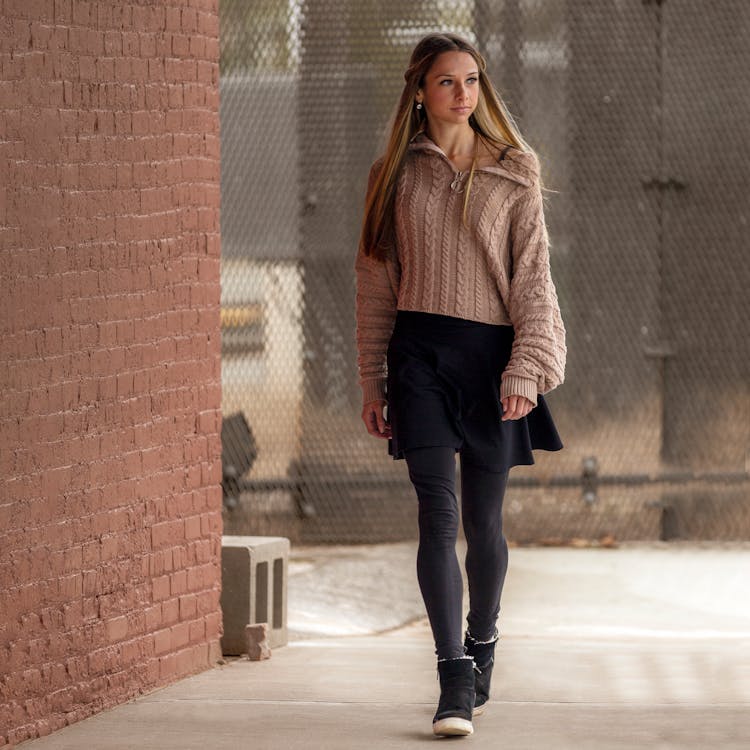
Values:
[(372, 416)]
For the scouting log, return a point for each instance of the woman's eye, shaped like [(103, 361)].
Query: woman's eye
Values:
[(448, 80)]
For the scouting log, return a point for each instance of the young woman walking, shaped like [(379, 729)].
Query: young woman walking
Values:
[(459, 334)]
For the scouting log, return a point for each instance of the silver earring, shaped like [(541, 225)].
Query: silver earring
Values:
[(419, 105)]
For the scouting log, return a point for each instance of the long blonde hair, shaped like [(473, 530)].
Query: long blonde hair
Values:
[(491, 120)]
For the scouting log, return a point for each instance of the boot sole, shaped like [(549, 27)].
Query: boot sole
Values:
[(452, 725), (479, 710)]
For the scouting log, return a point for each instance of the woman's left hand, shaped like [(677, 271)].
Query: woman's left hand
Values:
[(515, 407)]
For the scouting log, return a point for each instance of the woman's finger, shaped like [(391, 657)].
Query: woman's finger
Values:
[(379, 421), (371, 421), (510, 403), (516, 407), (372, 415)]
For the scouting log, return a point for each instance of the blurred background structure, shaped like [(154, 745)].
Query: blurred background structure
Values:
[(639, 111)]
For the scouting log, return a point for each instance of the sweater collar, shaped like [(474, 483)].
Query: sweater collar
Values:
[(513, 163)]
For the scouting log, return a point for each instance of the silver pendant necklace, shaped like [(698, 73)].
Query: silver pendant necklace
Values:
[(456, 183)]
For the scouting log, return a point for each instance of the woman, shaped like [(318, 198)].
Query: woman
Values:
[(459, 334)]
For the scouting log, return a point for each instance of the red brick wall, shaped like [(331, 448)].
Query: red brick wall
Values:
[(110, 467)]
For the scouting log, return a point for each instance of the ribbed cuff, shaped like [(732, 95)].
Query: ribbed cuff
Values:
[(373, 390), (514, 385)]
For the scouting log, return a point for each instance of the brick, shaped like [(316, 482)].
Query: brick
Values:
[(180, 635), (117, 629), (197, 631), (257, 642), (163, 641), (153, 617), (188, 606), (160, 588), (170, 611), (167, 667), (178, 582), (213, 624), (193, 527)]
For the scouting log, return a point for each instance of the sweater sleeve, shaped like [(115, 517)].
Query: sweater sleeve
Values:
[(377, 285), (537, 360)]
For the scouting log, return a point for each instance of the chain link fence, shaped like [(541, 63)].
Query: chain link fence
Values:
[(639, 110)]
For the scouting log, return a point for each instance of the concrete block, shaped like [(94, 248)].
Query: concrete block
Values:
[(254, 572)]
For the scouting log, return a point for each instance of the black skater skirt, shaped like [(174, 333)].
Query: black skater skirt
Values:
[(443, 388)]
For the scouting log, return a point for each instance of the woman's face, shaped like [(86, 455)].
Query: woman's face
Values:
[(451, 88)]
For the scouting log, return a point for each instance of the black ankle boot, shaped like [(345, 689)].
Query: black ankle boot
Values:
[(483, 654), (456, 705)]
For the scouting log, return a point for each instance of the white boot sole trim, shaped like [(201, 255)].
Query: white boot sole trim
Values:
[(452, 725)]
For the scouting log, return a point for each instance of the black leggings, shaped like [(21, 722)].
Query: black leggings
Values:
[(433, 473)]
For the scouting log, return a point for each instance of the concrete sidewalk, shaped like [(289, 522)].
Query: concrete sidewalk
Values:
[(642, 646)]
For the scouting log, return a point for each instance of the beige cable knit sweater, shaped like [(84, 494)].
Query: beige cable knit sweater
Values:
[(497, 271)]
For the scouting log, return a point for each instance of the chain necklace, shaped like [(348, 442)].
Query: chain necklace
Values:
[(456, 184)]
